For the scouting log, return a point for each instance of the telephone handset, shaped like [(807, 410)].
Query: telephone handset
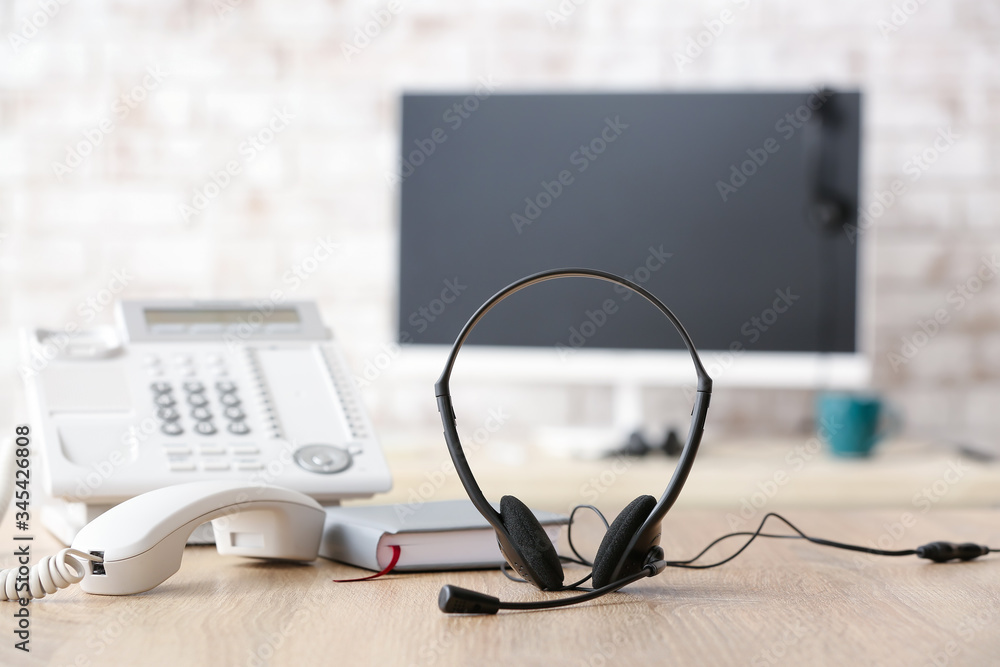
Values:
[(183, 391), (137, 545)]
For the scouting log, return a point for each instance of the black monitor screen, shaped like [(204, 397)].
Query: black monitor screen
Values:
[(730, 207)]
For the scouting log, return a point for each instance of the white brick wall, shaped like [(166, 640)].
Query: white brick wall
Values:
[(324, 174)]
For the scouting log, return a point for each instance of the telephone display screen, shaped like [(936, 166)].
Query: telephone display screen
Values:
[(220, 316)]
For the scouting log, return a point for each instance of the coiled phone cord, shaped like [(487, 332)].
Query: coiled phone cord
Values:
[(46, 576), (50, 573)]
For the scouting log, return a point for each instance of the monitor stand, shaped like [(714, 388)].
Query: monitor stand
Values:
[(594, 441)]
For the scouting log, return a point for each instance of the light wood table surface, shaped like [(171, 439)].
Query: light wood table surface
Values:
[(783, 602)]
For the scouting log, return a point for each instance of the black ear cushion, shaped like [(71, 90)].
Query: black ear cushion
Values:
[(531, 541), (616, 540)]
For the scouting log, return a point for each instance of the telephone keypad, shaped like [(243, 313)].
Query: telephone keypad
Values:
[(229, 397), (201, 413), (165, 400), (197, 400), (238, 428), (213, 458), (190, 373), (168, 414), (205, 428), (171, 428)]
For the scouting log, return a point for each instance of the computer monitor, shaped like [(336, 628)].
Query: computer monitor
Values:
[(736, 209)]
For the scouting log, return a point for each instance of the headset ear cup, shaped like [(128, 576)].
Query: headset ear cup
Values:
[(533, 545), (616, 540)]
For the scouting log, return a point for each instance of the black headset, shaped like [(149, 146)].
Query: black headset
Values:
[(629, 550)]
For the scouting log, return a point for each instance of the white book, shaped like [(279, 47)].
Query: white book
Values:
[(442, 535)]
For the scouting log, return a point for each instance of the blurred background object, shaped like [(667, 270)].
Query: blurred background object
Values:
[(227, 148)]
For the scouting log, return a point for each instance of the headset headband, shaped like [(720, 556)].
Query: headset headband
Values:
[(648, 535)]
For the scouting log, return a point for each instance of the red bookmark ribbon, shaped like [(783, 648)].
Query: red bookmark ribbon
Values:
[(387, 570)]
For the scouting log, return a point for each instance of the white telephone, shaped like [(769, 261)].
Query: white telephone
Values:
[(183, 391)]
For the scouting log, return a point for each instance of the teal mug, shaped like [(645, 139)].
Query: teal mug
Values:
[(852, 424)]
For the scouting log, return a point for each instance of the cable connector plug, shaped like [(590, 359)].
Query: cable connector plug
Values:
[(941, 552)]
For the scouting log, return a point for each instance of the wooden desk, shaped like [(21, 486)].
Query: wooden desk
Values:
[(782, 602), (727, 477)]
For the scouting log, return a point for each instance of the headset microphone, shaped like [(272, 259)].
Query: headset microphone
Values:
[(457, 600)]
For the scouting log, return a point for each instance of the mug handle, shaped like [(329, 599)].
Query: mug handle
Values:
[(892, 422)]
